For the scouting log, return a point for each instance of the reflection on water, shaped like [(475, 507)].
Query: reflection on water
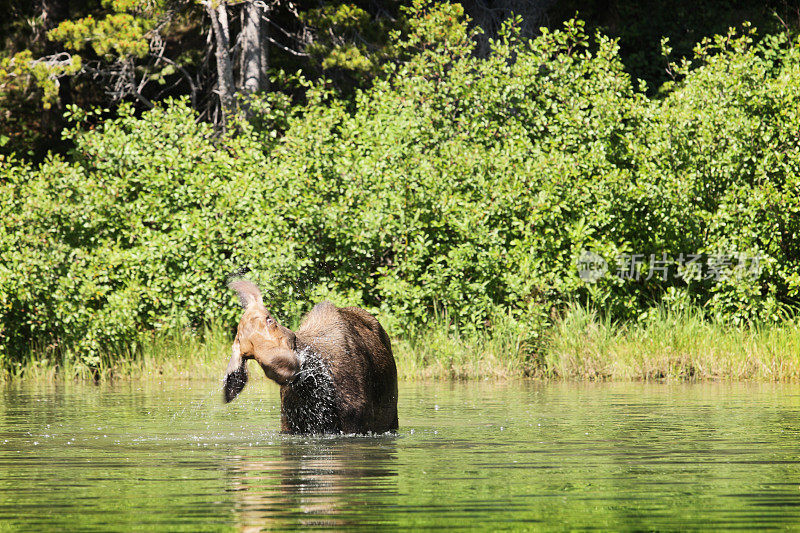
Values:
[(172, 457), (321, 482)]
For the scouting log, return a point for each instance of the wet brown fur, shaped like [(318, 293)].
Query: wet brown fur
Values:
[(353, 346)]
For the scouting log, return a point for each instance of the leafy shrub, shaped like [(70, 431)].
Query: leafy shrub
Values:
[(717, 165)]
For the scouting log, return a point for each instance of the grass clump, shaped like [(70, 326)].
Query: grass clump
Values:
[(445, 352), (182, 354), (670, 345)]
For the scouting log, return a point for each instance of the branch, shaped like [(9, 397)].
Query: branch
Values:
[(55, 60), (185, 73), (286, 49)]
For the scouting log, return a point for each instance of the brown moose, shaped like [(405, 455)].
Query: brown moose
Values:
[(337, 372)]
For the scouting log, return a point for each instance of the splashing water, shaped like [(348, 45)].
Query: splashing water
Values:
[(309, 401), (196, 405)]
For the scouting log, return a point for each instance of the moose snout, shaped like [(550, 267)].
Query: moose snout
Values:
[(235, 382), (235, 375)]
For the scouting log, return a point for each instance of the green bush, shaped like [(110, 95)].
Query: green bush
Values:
[(717, 167), (456, 186)]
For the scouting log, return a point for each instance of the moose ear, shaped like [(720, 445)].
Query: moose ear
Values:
[(249, 294)]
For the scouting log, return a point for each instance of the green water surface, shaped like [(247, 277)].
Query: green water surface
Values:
[(520, 455)]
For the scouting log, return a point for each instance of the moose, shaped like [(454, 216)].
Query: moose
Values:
[(336, 372)]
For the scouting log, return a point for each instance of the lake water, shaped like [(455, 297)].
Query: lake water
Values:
[(170, 456)]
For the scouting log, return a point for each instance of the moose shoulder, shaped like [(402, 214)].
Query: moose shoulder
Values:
[(336, 372)]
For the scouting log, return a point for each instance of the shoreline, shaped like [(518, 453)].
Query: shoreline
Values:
[(580, 347)]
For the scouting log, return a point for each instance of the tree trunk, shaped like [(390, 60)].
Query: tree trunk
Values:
[(264, 36), (251, 68), (217, 10)]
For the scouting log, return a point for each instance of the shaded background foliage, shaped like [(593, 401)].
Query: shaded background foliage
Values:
[(105, 52), (458, 185)]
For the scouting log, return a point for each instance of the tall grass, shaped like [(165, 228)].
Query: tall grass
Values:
[(182, 355), (670, 345), (444, 352), (581, 345)]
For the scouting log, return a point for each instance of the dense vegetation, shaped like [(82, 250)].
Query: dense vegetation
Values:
[(457, 187), (54, 53)]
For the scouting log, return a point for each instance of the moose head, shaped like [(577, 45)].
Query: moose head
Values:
[(259, 337)]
